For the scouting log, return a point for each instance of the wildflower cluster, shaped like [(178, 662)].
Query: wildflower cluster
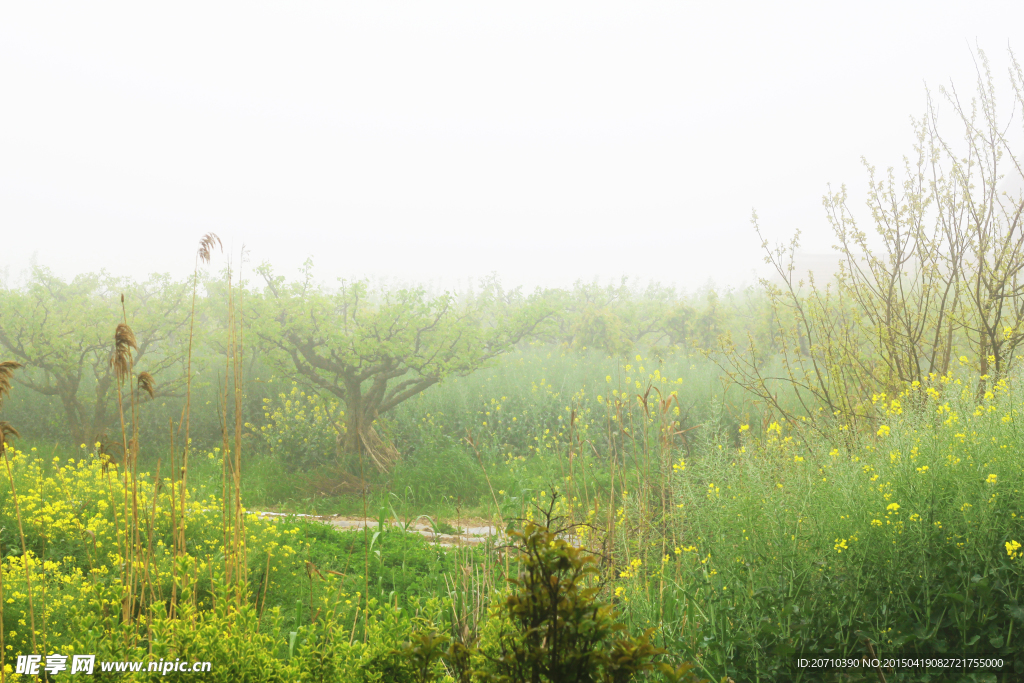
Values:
[(77, 558), (302, 428)]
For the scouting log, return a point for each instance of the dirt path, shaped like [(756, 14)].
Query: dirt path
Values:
[(477, 534)]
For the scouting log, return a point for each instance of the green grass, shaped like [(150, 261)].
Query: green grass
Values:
[(787, 542), (784, 550), (746, 548), (521, 406), (402, 567)]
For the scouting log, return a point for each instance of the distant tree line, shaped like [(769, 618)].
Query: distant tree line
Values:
[(371, 348)]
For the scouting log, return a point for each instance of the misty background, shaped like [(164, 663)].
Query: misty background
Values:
[(441, 142)]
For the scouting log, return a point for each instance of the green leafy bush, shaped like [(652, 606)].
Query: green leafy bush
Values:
[(302, 429), (550, 626)]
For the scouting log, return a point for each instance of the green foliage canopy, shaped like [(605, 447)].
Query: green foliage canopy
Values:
[(375, 348), (63, 333)]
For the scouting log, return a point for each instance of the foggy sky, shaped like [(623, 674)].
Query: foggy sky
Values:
[(437, 142)]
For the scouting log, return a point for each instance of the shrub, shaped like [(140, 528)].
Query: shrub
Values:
[(551, 625), (303, 429)]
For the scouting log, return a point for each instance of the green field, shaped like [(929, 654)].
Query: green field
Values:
[(744, 544)]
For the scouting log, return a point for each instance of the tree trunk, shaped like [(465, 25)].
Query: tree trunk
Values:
[(353, 444), (86, 426), (79, 433)]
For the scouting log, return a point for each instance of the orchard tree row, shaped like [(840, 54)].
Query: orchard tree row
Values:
[(367, 346)]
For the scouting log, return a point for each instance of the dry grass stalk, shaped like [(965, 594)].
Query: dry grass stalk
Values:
[(241, 559), (225, 462), (236, 562), (133, 445), (121, 362), (383, 454), (206, 246), (149, 553), (24, 547), (174, 525), (3, 650), (7, 430), (263, 602), (487, 478)]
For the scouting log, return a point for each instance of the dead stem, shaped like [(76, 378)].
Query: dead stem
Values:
[(4, 430)]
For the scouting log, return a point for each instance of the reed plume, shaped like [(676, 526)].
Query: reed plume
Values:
[(7, 369), (6, 430), (121, 359), (147, 384), (206, 245)]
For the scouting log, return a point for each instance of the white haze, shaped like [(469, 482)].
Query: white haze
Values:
[(440, 142)]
